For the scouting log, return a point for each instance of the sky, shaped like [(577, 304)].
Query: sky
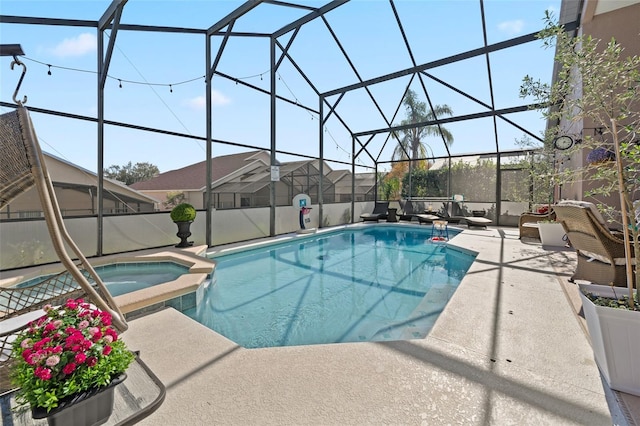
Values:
[(157, 79)]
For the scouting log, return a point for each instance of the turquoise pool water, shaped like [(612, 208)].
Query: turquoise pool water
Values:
[(374, 283), (125, 277)]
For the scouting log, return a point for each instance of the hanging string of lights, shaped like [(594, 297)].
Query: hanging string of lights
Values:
[(179, 83)]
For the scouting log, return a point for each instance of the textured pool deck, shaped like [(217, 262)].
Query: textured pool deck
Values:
[(509, 349)]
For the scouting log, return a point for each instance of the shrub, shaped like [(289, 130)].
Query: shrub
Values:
[(183, 212)]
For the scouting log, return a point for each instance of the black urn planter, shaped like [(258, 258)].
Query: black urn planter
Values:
[(91, 407), (184, 232)]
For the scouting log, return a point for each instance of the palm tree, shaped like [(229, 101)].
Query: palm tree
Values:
[(412, 140)]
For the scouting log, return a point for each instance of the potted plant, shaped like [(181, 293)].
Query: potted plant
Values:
[(183, 215), (608, 83), (67, 363)]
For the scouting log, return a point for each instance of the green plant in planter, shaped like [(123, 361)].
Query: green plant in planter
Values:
[(183, 212), (609, 87)]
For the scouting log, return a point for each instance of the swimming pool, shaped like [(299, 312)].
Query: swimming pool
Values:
[(372, 283), (126, 277)]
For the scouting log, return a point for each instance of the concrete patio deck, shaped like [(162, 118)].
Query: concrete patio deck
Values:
[(509, 349)]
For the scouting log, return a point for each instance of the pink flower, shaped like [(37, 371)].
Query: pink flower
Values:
[(53, 360), (72, 304), (106, 350), (57, 323), (26, 343), (69, 368), (105, 317), (83, 324), (91, 361), (32, 359), (47, 307), (57, 349), (42, 373), (111, 332), (107, 339), (80, 358)]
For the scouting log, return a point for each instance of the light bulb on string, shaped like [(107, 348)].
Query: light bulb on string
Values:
[(120, 83), (170, 88), (49, 72)]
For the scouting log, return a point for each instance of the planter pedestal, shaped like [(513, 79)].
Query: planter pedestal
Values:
[(184, 232), (615, 338)]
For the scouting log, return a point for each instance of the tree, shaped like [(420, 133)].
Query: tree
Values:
[(173, 199), (608, 83), (412, 141), (132, 173)]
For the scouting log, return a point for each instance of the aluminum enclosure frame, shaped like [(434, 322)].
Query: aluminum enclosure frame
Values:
[(110, 20)]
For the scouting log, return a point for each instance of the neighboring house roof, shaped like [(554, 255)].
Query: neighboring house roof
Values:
[(260, 177), (73, 176), (193, 177), (245, 172)]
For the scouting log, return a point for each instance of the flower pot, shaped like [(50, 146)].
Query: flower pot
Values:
[(615, 338), (551, 234), (184, 232), (91, 407)]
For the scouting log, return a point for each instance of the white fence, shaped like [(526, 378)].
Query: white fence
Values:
[(27, 243)]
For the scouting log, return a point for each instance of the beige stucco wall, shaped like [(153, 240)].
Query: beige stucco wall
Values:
[(623, 25)]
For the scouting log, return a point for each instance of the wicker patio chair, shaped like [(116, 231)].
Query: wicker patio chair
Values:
[(528, 223), (601, 256)]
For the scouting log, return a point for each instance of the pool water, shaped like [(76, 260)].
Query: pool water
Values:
[(125, 277), (373, 284)]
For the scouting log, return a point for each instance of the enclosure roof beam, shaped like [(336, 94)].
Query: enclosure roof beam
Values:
[(112, 14), (453, 119), (216, 61), (284, 3), (309, 17), (444, 61), (237, 13), (8, 19), (259, 89), (30, 20)]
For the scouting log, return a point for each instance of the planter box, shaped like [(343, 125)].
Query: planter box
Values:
[(92, 407), (551, 234), (615, 338)]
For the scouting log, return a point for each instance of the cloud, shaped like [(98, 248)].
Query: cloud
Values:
[(511, 27), (199, 102), (76, 46), (218, 99)]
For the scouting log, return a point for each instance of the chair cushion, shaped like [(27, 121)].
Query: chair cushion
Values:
[(587, 205), (618, 261)]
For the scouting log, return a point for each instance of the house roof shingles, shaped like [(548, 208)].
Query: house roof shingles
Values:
[(194, 176)]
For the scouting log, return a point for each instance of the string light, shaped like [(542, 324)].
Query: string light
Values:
[(170, 85), (144, 83)]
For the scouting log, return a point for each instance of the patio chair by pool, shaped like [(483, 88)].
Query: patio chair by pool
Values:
[(379, 212), (601, 257), (453, 213), (408, 210), (528, 223)]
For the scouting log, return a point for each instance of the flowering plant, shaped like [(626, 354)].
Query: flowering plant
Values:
[(71, 349)]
